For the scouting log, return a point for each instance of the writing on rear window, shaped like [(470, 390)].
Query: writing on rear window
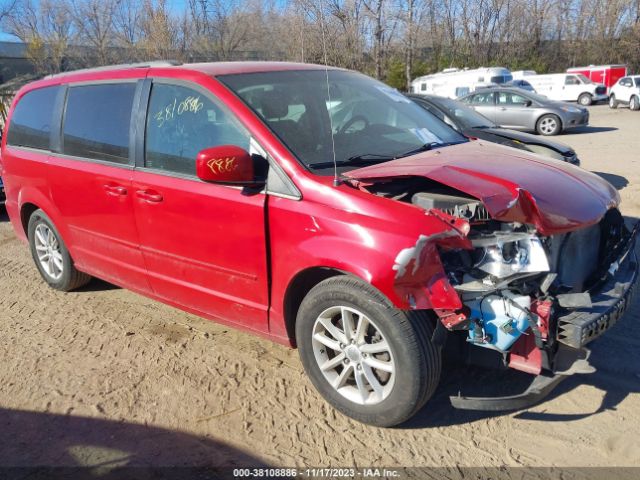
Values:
[(190, 104)]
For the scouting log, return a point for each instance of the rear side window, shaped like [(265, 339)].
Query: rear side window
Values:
[(182, 121), (481, 99), (31, 120), (97, 120)]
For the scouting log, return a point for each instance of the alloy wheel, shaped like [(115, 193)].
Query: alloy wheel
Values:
[(48, 251), (353, 355), (548, 125)]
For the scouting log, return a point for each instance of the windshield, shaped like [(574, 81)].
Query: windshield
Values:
[(371, 122), (465, 116), (583, 78)]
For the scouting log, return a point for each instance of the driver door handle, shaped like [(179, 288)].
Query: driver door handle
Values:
[(150, 196)]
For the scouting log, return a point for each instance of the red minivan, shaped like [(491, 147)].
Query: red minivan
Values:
[(319, 208)]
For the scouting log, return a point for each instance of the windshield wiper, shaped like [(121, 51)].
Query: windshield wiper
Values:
[(364, 159), (372, 158)]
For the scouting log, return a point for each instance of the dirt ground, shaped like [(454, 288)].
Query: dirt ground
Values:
[(103, 376)]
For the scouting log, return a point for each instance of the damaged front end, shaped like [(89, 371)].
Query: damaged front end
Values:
[(533, 298), (538, 300)]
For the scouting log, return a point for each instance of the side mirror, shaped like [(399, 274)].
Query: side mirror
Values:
[(528, 103), (226, 164)]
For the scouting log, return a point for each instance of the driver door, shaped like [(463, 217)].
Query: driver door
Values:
[(203, 244), (572, 88), (512, 111)]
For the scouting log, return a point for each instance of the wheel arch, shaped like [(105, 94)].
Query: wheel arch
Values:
[(26, 210), (298, 288), (30, 200)]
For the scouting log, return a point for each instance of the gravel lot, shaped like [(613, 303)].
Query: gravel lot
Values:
[(105, 377)]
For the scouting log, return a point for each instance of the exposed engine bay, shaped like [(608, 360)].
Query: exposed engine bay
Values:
[(516, 285)]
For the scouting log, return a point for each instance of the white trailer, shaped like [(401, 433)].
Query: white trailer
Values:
[(454, 83)]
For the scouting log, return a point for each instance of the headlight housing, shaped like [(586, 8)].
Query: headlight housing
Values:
[(505, 255)]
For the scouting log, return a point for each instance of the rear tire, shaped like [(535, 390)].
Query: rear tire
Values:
[(343, 360), (548, 125), (51, 256), (585, 99), (613, 103), (634, 103)]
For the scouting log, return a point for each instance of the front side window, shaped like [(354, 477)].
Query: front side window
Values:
[(97, 120), (31, 120), (182, 121), (637, 80), (363, 119), (571, 80)]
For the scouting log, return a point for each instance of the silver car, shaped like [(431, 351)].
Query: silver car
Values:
[(521, 110)]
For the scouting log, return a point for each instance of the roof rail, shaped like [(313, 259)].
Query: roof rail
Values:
[(106, 68)]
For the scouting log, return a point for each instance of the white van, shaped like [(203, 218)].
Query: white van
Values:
[(454, 83), (568, 87)]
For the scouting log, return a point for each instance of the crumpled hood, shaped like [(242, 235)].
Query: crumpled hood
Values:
[(513, 185)]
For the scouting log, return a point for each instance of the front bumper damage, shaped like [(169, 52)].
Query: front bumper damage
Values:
[(575, 330)]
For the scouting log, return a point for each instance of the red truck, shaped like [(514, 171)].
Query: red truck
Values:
[(607, 75), (320, 208)]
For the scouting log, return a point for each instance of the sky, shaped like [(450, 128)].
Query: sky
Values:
[(177, 6)]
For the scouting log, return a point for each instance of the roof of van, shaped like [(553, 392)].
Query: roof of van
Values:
[(227, 68), (211, 68)]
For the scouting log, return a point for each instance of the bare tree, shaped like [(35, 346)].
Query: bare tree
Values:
[(94, 21), (47, 29)]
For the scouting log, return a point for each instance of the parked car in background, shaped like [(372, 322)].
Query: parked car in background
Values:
[(568, 88), (325, 210), (626, 92), (607, 75), (454, 82), (520, 110), (471, 124)]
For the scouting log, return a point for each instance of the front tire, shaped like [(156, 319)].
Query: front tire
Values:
[(371, 361), (613, 103), (585, 99), (548, 125), (51, 256), (634, 103)]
